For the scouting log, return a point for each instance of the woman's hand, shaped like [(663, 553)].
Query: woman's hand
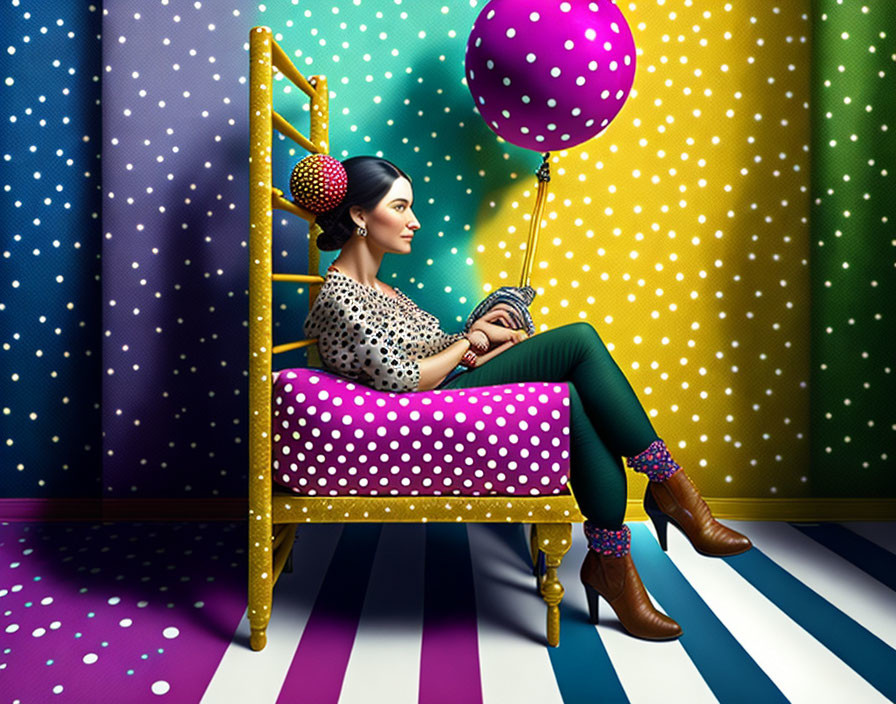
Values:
[(496, 333), (479, 341), (498, 312), (516, 336)]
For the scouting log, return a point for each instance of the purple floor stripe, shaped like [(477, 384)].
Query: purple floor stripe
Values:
[(449, 658), (318, 667), (123, 613)]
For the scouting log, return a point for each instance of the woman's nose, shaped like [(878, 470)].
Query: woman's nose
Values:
[(412, 222)]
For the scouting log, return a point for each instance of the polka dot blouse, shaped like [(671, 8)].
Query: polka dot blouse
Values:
[(372, 337)]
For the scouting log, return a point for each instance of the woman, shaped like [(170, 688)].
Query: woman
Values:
[(370, 332)]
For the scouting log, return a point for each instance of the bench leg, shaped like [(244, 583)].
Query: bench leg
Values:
[(554, 540), (261, 586), (536, 554)]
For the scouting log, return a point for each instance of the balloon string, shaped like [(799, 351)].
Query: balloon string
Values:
[(544, 176)]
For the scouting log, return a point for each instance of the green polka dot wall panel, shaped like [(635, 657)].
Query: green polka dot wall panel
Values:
[(852, 249), (50, 325)]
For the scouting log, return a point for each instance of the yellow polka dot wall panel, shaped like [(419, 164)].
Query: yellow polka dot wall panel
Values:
[(681, 234)]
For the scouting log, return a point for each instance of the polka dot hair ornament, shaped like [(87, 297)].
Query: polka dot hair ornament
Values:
[(318, 183), (549, 75)]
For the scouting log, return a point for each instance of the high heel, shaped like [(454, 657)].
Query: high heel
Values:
[(672, 496), (677, 500), (609, 572), (591, 596), (616, 580), (659, 519)]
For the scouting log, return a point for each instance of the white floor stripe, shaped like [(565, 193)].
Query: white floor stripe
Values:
[(854, 592), (801, 667), (883, 533), (650, 671), (244, 675), (513, 657), (385, 661)]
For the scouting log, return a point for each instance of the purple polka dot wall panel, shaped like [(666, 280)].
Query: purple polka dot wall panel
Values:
[(175, 164), (333, 437)]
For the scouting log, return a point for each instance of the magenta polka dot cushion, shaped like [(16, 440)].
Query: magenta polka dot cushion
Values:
[(334, 437)]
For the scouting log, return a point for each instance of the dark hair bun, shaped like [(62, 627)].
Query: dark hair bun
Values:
[(335, 231)]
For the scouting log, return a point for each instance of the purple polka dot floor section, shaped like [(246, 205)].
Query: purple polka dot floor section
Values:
[(124, 612)]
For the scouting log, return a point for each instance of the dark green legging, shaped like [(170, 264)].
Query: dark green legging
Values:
[(607, 421)]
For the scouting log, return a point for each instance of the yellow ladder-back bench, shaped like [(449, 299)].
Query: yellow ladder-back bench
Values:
[(274, 513)]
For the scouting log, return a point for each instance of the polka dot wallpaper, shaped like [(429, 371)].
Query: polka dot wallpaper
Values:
[(50, 324), (681, 233), (692, 234), (175, 258), (852, 250)]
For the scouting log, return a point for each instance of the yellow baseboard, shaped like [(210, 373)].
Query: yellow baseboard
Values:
[(235, 509), (809, 509)]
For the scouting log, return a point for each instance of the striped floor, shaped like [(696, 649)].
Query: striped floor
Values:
[(154, 612)]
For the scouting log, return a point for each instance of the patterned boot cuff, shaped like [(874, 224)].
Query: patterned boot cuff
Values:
[(607, 541), (655, 462)]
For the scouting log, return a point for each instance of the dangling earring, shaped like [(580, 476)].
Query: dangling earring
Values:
[(362, 231)]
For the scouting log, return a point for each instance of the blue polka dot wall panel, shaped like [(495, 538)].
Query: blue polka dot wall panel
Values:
[(50, 325), (175, 164)]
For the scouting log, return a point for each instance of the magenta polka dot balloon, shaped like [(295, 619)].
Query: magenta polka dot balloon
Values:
[(549, 75)]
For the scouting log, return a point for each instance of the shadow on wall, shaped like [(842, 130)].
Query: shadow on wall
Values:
[(204, 347), (765, 248), (199, 428)]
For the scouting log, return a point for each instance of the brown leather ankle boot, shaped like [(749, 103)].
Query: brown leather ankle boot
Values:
[(676, 499), (617, 581)]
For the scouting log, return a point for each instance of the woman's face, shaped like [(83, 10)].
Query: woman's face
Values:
[(391, 224)]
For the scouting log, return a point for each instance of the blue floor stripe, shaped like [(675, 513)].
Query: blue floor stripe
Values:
[(868, 655), (726, 667), (582, 667), (869, 557)]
